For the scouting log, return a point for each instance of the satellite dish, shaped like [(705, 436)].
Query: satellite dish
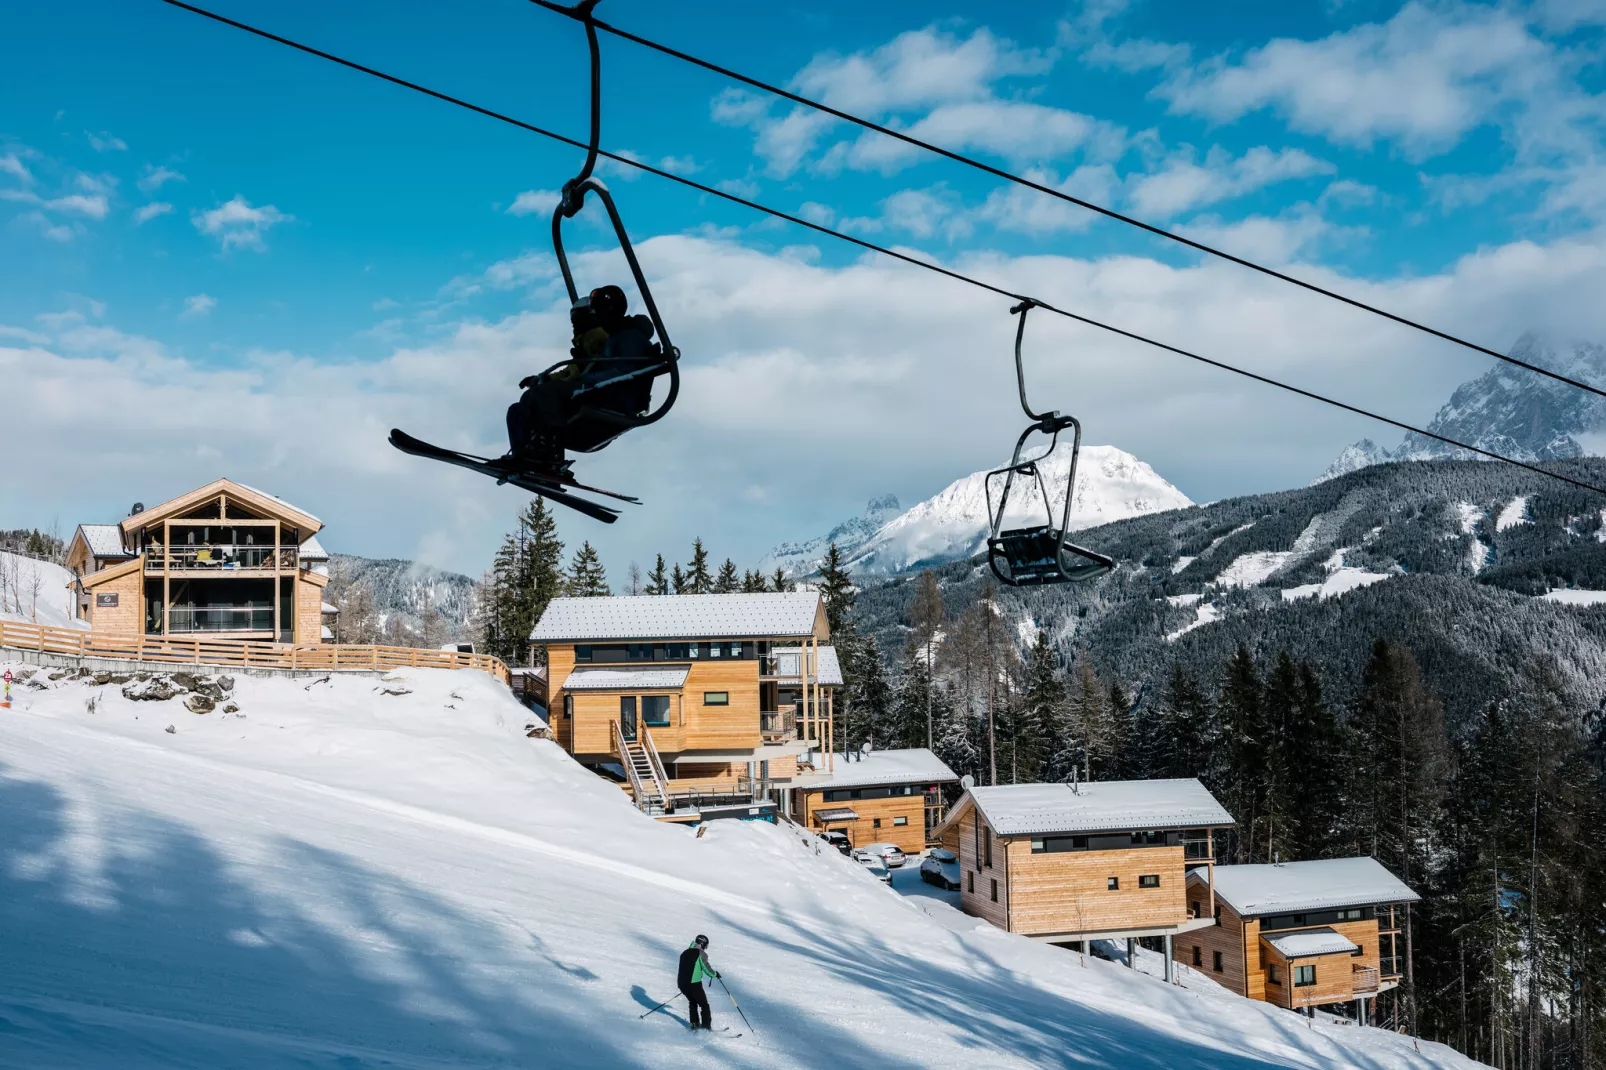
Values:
[(967, 781)]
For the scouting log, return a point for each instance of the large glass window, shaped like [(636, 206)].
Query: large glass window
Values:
[(582, 653), (655, 710)]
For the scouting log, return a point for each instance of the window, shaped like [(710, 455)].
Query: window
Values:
[(1198, 959), (1215, 961), (970, 882), (1273, 974), (715, 649), (899, 822), (976, 841), (568, 706), (1149, 880), (1113, 884), (1148, 839), (692, 649), (582, 653), (675, 651), (1304, 976), (875, 822), (1051, 844), (995, 891), (1351, 915), (987, 847), (716, 698), (655, 710), (736, 650), (627, 706)]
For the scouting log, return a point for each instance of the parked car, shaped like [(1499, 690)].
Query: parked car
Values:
[(890, 853), (878, 869), (837, 839), (941, 867)]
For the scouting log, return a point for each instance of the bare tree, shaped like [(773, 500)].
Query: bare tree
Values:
[(633, 579)]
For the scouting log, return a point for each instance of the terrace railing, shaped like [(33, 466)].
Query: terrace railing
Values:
[(1364, 978), (221, 619), (177, 650), (221, 557)]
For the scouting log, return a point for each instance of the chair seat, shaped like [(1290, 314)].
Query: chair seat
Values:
[(1035, 557)]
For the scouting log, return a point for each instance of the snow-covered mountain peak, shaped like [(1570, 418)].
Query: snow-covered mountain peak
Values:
[(1111, 484)]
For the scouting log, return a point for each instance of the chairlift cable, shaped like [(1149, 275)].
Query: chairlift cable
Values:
[(883, 250), (1040, 187)]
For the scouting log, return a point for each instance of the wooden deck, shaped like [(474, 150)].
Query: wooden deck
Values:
[(195, 650)]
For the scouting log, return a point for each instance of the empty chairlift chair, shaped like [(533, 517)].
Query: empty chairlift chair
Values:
[(1040, 554)]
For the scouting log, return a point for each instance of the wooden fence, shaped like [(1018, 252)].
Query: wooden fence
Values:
[(176, 650)]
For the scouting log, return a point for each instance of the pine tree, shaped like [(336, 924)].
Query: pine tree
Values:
[(906, 724), (657, 579), (1186, 737), (678, 582), (1280, 836), (1041, 706), (698, 579), (1090, 722), (1314, 754), (926, 615), (780, 583), (753, 582), (868, 697), (1122, 738), (1243, 740), (587, 579), (836, 588), (956, 744), (727, 581)]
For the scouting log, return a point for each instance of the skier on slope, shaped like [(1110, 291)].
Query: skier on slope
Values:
[(693, 968)]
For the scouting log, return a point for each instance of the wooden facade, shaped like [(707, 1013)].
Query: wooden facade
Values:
[(899, 819), (224, 560)]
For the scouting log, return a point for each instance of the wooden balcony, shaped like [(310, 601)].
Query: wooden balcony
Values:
[(1364, 979), (221, 559)]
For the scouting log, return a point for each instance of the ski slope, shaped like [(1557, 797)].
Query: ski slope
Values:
[(364, 873)]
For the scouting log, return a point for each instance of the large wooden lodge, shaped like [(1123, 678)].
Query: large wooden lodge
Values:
[(224, 560)]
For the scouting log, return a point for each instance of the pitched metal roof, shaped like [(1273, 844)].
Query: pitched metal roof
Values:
[(837, 813), (1306, 943), (829, 670), (915, 765), (1319, 884), (312, 550), (1099, 806), (105, 540), (679, 616), (588, 679)]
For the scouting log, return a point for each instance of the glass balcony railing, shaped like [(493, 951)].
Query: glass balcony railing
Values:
[(185, 620), (221, 557)]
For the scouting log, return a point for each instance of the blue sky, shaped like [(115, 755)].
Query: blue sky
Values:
[(223, 257)]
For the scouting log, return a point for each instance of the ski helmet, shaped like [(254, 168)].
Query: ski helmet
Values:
[(701, 942)]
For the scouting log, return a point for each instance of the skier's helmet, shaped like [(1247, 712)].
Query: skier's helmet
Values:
[(701, 942)]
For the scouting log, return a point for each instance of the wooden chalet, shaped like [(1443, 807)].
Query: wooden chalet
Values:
[(887, 796), (1068, 863), (692, 700), (1301, 934), (224, 560)]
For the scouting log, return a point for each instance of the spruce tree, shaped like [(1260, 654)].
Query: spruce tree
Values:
[(868, 698), (836, 588), (1314, 752), (956, 743), (753, 582), (1042, 704), (677, 581), (727, 581), (658, 579), (926, 615), (779, 583), (698, 579), (906, 725), (587, 579), (1280, 836), (1243, 740)]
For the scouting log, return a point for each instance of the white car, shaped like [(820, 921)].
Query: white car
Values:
[(878, 869), (890, 853)]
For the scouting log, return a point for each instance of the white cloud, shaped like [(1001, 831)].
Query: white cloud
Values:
[(91, 206), (521, 270), (1019, 131), (1424, 78), (197, 306), (535, 202), (1026, 211), (104, 142), (11, 164), (917, 69), (236, 224), (1182, 184), (680, 165), (147, 212), (920, 213), (155, 176), (58, 232), (1266, 239), (739, 187)]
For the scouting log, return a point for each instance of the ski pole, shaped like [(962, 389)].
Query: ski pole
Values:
[(660, 1007), (738, 1006)]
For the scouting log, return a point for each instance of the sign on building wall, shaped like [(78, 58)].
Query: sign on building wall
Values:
[(106, 601)]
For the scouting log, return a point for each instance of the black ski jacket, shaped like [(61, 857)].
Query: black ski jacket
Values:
[(688, 966)]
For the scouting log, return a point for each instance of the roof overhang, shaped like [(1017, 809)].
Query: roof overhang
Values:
[(835, 813), (263, 503), (95, 579), (1318, 943)]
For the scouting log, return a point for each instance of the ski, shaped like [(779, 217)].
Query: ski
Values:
[(485, 466)]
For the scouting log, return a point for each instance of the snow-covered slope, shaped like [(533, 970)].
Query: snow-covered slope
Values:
[(36, 592), (803, 558), (1510, 411), (356, 873), (1111, 484)]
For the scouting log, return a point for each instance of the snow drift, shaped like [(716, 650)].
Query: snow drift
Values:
[(351, 872), (36, 592)]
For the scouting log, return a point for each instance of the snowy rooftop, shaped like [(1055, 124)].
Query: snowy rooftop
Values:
[(916, 765), (1102, 805), (1323, 884), (830, 669), (679, 616), (105, 540), (281, 501), (623, 679), (1308, 942), (312, 550)]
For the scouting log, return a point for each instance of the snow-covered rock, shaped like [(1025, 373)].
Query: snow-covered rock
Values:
[(803, 558), (1111, 485)]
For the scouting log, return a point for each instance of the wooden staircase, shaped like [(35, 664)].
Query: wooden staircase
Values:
[(645, 770)]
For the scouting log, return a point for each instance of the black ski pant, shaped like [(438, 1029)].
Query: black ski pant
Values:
[(700, 1017)]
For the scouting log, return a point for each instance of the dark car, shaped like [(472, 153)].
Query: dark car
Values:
[(941, 867), (837, 839)]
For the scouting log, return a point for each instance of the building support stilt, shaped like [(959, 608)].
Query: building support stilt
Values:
[(1170, 963), (1131, 953)]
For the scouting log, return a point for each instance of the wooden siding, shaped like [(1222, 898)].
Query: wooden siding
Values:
[(1067, 891), (732, 727), (309, 606), (976, 876), (910, 836), (1335, 982), (127, 617), (1226, 937)]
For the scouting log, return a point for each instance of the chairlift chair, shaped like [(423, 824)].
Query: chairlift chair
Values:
[(1041, 554)]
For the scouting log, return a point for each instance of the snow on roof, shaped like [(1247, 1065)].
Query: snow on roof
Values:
[(829, 670), (327, 634), (679, 616), (1102, 805), (312, 550), (327, 608), (623, 679), (837, 813), (917, 765), (1321, 884), (105, 540), (1308, 942)]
